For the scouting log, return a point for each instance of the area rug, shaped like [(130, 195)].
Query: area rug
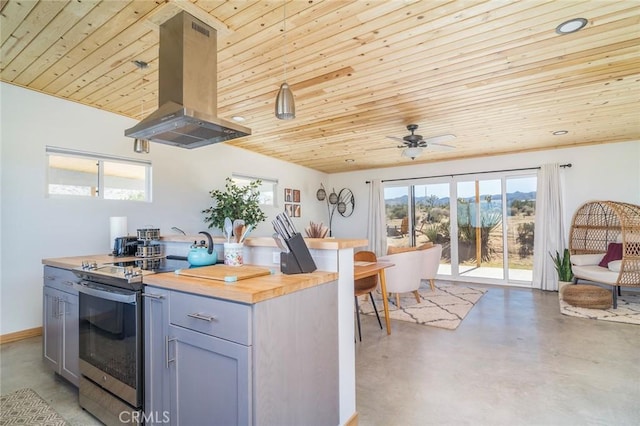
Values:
[(26, 407), (628, 310), (445, 307)]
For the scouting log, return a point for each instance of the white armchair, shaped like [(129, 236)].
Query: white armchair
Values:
[(411, 267), (405, 275)]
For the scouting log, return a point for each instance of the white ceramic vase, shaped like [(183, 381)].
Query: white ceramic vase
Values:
[(233, 254)]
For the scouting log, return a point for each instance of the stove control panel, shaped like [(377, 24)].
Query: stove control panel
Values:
[(87, 265), (109, 274)]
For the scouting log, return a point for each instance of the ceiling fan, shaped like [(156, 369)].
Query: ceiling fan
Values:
[(413, 144)]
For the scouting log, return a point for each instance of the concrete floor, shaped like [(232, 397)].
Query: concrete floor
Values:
[(21, 366), (515, 360)]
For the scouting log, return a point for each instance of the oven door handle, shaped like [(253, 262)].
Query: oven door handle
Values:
[(115, 296)]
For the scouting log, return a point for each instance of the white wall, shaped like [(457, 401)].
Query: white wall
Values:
[(599, 172), (34, 227)]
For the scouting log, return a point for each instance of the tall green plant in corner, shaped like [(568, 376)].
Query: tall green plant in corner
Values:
[(563, 266), (235, 202)]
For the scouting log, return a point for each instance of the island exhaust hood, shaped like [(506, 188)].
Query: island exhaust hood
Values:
[(187, 90)]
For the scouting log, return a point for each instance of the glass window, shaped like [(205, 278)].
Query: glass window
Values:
[(267, 188), (396, 200), (73, 176), (78, 174), (485, 225)]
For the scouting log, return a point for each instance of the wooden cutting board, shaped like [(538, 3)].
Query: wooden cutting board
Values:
[(220, 272)]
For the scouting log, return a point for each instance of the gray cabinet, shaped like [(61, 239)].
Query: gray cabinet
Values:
[(60, 323), (156, 372), (210, 379), (221, 362)]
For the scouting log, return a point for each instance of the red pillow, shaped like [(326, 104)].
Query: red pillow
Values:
[(614, 252)]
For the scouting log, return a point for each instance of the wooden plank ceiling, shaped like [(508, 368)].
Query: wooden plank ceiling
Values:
[(493, 73)]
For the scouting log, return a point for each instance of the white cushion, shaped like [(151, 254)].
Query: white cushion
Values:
[(586, 259), (595, 273), (615, 265)]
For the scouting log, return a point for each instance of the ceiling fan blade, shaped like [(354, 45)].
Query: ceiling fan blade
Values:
[(439, 147), (440, 139)]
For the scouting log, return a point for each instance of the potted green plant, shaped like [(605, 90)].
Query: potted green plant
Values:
[(235, 202), (563, 267)]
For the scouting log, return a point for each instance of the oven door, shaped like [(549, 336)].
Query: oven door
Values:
[(110, 344)]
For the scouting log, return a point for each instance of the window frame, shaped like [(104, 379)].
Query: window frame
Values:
[(100, 160)]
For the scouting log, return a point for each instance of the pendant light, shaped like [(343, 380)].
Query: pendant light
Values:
[(141, 145), (285, 105)]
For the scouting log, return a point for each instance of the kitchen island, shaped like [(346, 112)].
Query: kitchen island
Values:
[(311, 313), (258, 351)]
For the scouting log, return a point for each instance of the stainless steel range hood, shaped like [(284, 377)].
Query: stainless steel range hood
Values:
[(188, 89)]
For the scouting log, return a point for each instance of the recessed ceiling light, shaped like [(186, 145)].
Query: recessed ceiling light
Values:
[(571, 26), (560, 132), (238, 118)]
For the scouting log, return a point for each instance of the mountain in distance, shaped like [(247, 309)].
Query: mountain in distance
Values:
[(511, 196)]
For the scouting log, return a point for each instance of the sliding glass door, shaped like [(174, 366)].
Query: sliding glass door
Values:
[(480, 231), (433, 222), (521, 215), (491, 220)]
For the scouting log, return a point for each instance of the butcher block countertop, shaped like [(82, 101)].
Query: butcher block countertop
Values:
[(76, 261), (312, 243), (250, 290)]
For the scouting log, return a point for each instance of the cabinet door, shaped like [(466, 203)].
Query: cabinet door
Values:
[(156, 371), (52, 330), (210, 379), (69, 368)]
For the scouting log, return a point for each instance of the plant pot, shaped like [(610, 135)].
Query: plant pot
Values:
[(233, 254), (562, 285)]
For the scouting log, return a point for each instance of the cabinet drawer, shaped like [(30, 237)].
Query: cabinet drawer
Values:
[(61, 279), (227, 320)]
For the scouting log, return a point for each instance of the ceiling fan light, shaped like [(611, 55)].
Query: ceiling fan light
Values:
[(285, 105), (412, 152)]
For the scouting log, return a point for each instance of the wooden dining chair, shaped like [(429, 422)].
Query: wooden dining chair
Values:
[(365, 286)]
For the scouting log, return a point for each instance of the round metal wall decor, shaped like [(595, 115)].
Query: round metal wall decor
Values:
[(321, 194), (347, 202), (333, 198)]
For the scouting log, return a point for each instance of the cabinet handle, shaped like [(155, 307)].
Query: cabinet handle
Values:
[(56, 307), (166, 350), (153, 296), (68, 283), (202, 317), (61, 311)]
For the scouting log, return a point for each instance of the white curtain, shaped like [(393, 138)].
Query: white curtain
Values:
[(549, 227), (376, 226)]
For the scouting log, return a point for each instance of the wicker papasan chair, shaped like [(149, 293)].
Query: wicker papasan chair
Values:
[(604, 242)]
